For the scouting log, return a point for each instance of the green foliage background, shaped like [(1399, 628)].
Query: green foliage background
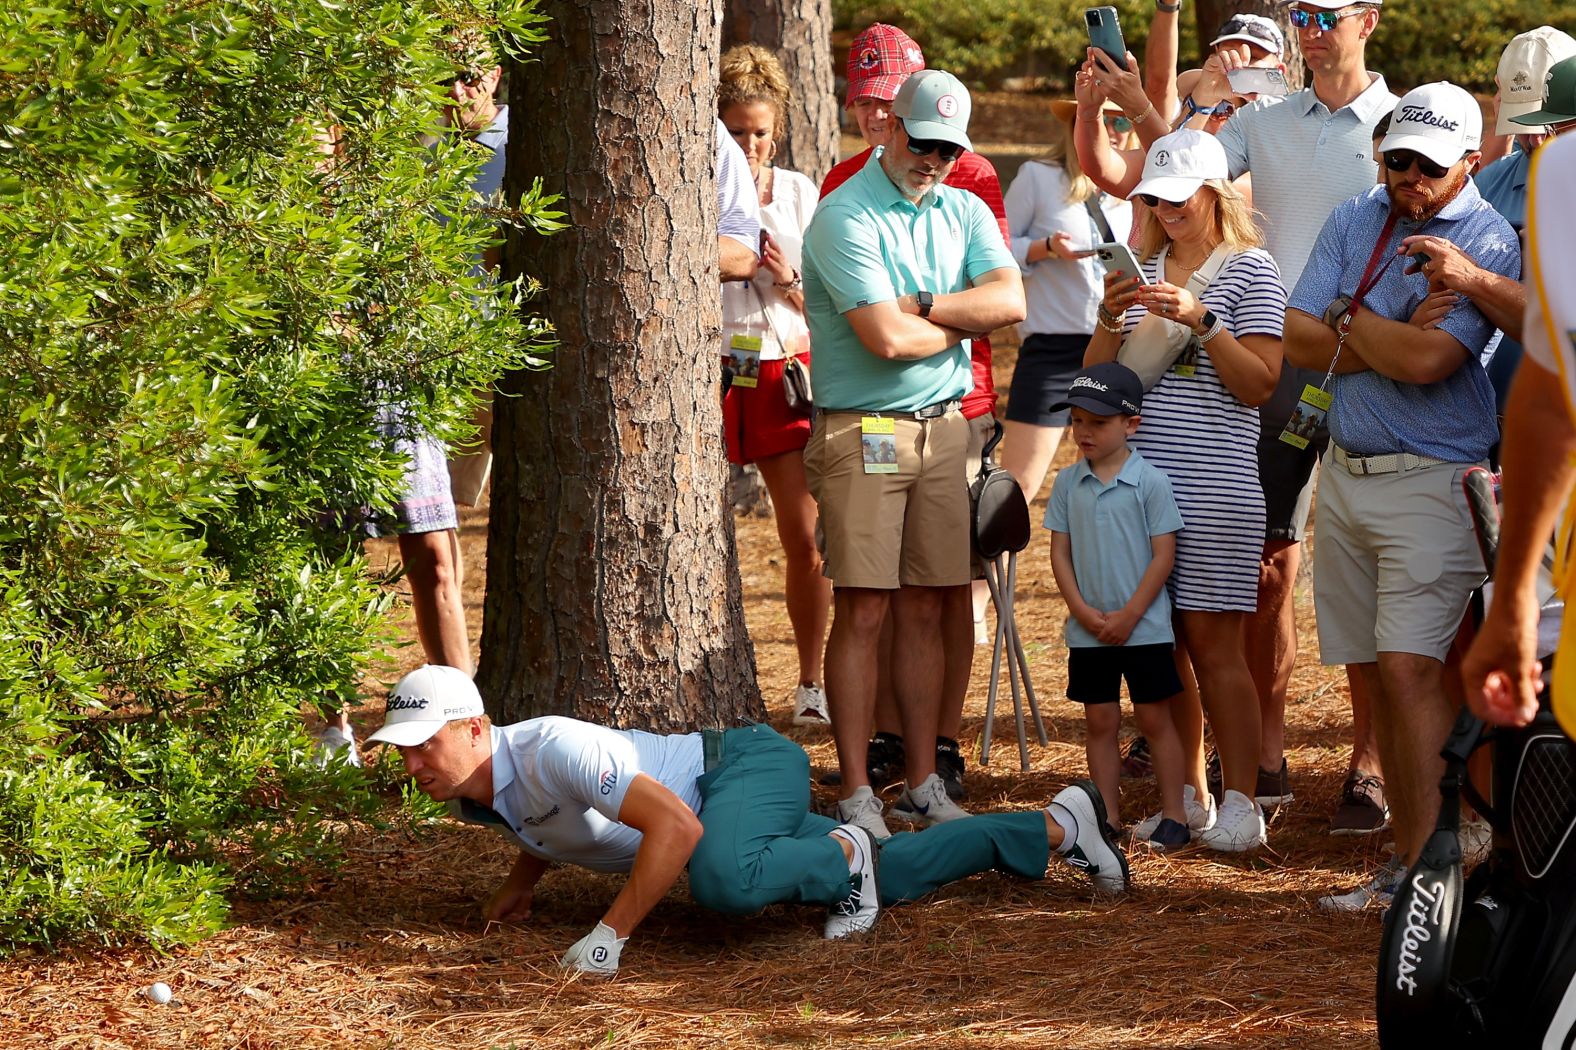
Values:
[(200, 322), (985, 40)]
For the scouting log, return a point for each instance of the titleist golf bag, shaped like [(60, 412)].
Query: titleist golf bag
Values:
[(1494, 956)]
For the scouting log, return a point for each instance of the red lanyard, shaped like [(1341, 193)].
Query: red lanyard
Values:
[(1370, 276)]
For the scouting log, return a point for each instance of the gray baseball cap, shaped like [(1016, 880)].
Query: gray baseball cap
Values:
[(934, 104)]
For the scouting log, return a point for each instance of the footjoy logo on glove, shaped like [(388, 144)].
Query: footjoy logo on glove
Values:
[(407, 703), (609, 781), (1422, 918), (599, 954)]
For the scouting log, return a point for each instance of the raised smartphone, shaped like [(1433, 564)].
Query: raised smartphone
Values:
[(1118, 259), (1105, 33), (1256, 80)]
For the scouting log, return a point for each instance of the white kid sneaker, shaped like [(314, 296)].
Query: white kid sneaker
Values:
[(1239, 826), (863, 810), (809, 706), (1094, 853), (928, 803), (1377, 892), (1200, 818), (856, 913)]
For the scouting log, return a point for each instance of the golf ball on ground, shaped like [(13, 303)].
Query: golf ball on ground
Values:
[(159, 993)]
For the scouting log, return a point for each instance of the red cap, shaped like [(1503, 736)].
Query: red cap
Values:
[(881, 59)]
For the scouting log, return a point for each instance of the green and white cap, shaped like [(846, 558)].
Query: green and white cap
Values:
[(934, 104), (1524, 72), (1559, 97)]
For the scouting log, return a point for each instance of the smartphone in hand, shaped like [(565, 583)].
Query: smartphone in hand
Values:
[(1105, 33), (1118, 259), (1257, 80)]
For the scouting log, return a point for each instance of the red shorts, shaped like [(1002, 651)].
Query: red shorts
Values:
[(758, 422)]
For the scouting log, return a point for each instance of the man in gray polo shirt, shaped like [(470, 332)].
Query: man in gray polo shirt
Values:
[(1325, 128)]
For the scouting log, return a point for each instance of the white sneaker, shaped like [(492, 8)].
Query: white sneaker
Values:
[(1200, 818), (1093, 852), (1239, 826), (1378, 891), (809, 706), (334, 741), (863, 810), (856, 913), (928, 803)]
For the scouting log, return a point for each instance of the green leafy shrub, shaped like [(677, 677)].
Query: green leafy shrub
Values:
[(201, 318), (985, 40)]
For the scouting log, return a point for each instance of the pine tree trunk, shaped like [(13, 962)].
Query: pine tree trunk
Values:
[(1212, 13), (799, 33), (613, 585)]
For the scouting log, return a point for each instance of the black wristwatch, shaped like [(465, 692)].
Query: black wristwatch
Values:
[(925, 301)]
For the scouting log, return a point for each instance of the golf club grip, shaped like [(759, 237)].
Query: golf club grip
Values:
[(1483, 502)]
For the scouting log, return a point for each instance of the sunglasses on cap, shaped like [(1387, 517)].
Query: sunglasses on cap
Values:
[(950, 151), (1401, 160), (1120, 125), (1324, 20), (1151, 201)]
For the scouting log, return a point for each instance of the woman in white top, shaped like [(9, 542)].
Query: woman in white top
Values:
[(752, 100), (1050, 213)]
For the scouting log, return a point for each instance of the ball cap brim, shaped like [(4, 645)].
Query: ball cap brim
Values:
[(423, 702)]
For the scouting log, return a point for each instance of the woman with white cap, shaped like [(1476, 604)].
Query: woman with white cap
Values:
[(1212, 293)]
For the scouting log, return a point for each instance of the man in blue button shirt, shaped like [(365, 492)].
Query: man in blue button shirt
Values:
[(1412, 410), (899, 272)]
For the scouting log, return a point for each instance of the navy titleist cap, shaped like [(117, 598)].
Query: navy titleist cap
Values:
[(1106, 389)]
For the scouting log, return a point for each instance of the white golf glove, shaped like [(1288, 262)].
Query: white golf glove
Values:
[(596, 953)]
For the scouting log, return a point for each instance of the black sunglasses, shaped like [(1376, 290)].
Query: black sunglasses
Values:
[(1401, 160), (949, 151), (468, 77), (1151, 201)]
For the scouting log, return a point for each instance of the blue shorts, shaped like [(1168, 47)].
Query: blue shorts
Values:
[(1095, 673)]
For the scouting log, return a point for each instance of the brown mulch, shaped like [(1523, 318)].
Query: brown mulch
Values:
[(390, 952)]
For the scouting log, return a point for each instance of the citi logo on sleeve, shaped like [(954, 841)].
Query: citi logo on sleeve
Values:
[(609, 781)]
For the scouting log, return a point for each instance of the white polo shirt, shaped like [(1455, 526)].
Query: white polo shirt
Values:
[(559, 783), (1305, 160)]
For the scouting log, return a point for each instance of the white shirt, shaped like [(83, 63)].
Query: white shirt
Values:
[(1062, 294), (738, 208), (779, 323), (559, 783), (1305, 160)]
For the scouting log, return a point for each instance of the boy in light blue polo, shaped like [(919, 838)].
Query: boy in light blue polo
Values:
[(1113, 523)]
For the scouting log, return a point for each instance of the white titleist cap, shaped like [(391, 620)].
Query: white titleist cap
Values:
[(1523, 71), (1179, 163), (1438, 120), (424, 701)]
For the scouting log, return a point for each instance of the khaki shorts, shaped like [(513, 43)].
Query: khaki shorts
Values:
[(884, 531), (1395, 562), (470, 466)]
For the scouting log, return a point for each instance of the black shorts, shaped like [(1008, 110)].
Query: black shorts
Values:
[(1286, 471), (1047, 365), (1095, 673)]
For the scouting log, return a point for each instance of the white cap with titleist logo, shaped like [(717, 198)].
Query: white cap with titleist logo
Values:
[(1438, 120), (1523, 71), (424, 701)]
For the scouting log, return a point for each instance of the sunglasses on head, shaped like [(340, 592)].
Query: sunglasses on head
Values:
[(1401, 160), (1324, 20), (1151, 201), (950, 151)]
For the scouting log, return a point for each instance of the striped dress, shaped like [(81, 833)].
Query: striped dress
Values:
[(1207, 443)]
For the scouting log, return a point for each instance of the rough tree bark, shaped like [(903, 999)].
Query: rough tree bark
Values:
[(612, 586), (1211, 13), (799, 32)]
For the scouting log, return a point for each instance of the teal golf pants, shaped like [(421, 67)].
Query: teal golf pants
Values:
[(761, 844)]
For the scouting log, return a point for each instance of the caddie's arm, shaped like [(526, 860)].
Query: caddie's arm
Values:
[(669, 831), (995, 301), (1309, 343)]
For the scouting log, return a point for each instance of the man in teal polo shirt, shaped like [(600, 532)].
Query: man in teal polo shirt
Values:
[(899, 271)]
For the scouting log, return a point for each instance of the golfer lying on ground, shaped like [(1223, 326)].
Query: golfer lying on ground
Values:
[(734, 806)]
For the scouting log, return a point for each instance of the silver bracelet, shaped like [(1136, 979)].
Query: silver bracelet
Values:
[(1214, 330)]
